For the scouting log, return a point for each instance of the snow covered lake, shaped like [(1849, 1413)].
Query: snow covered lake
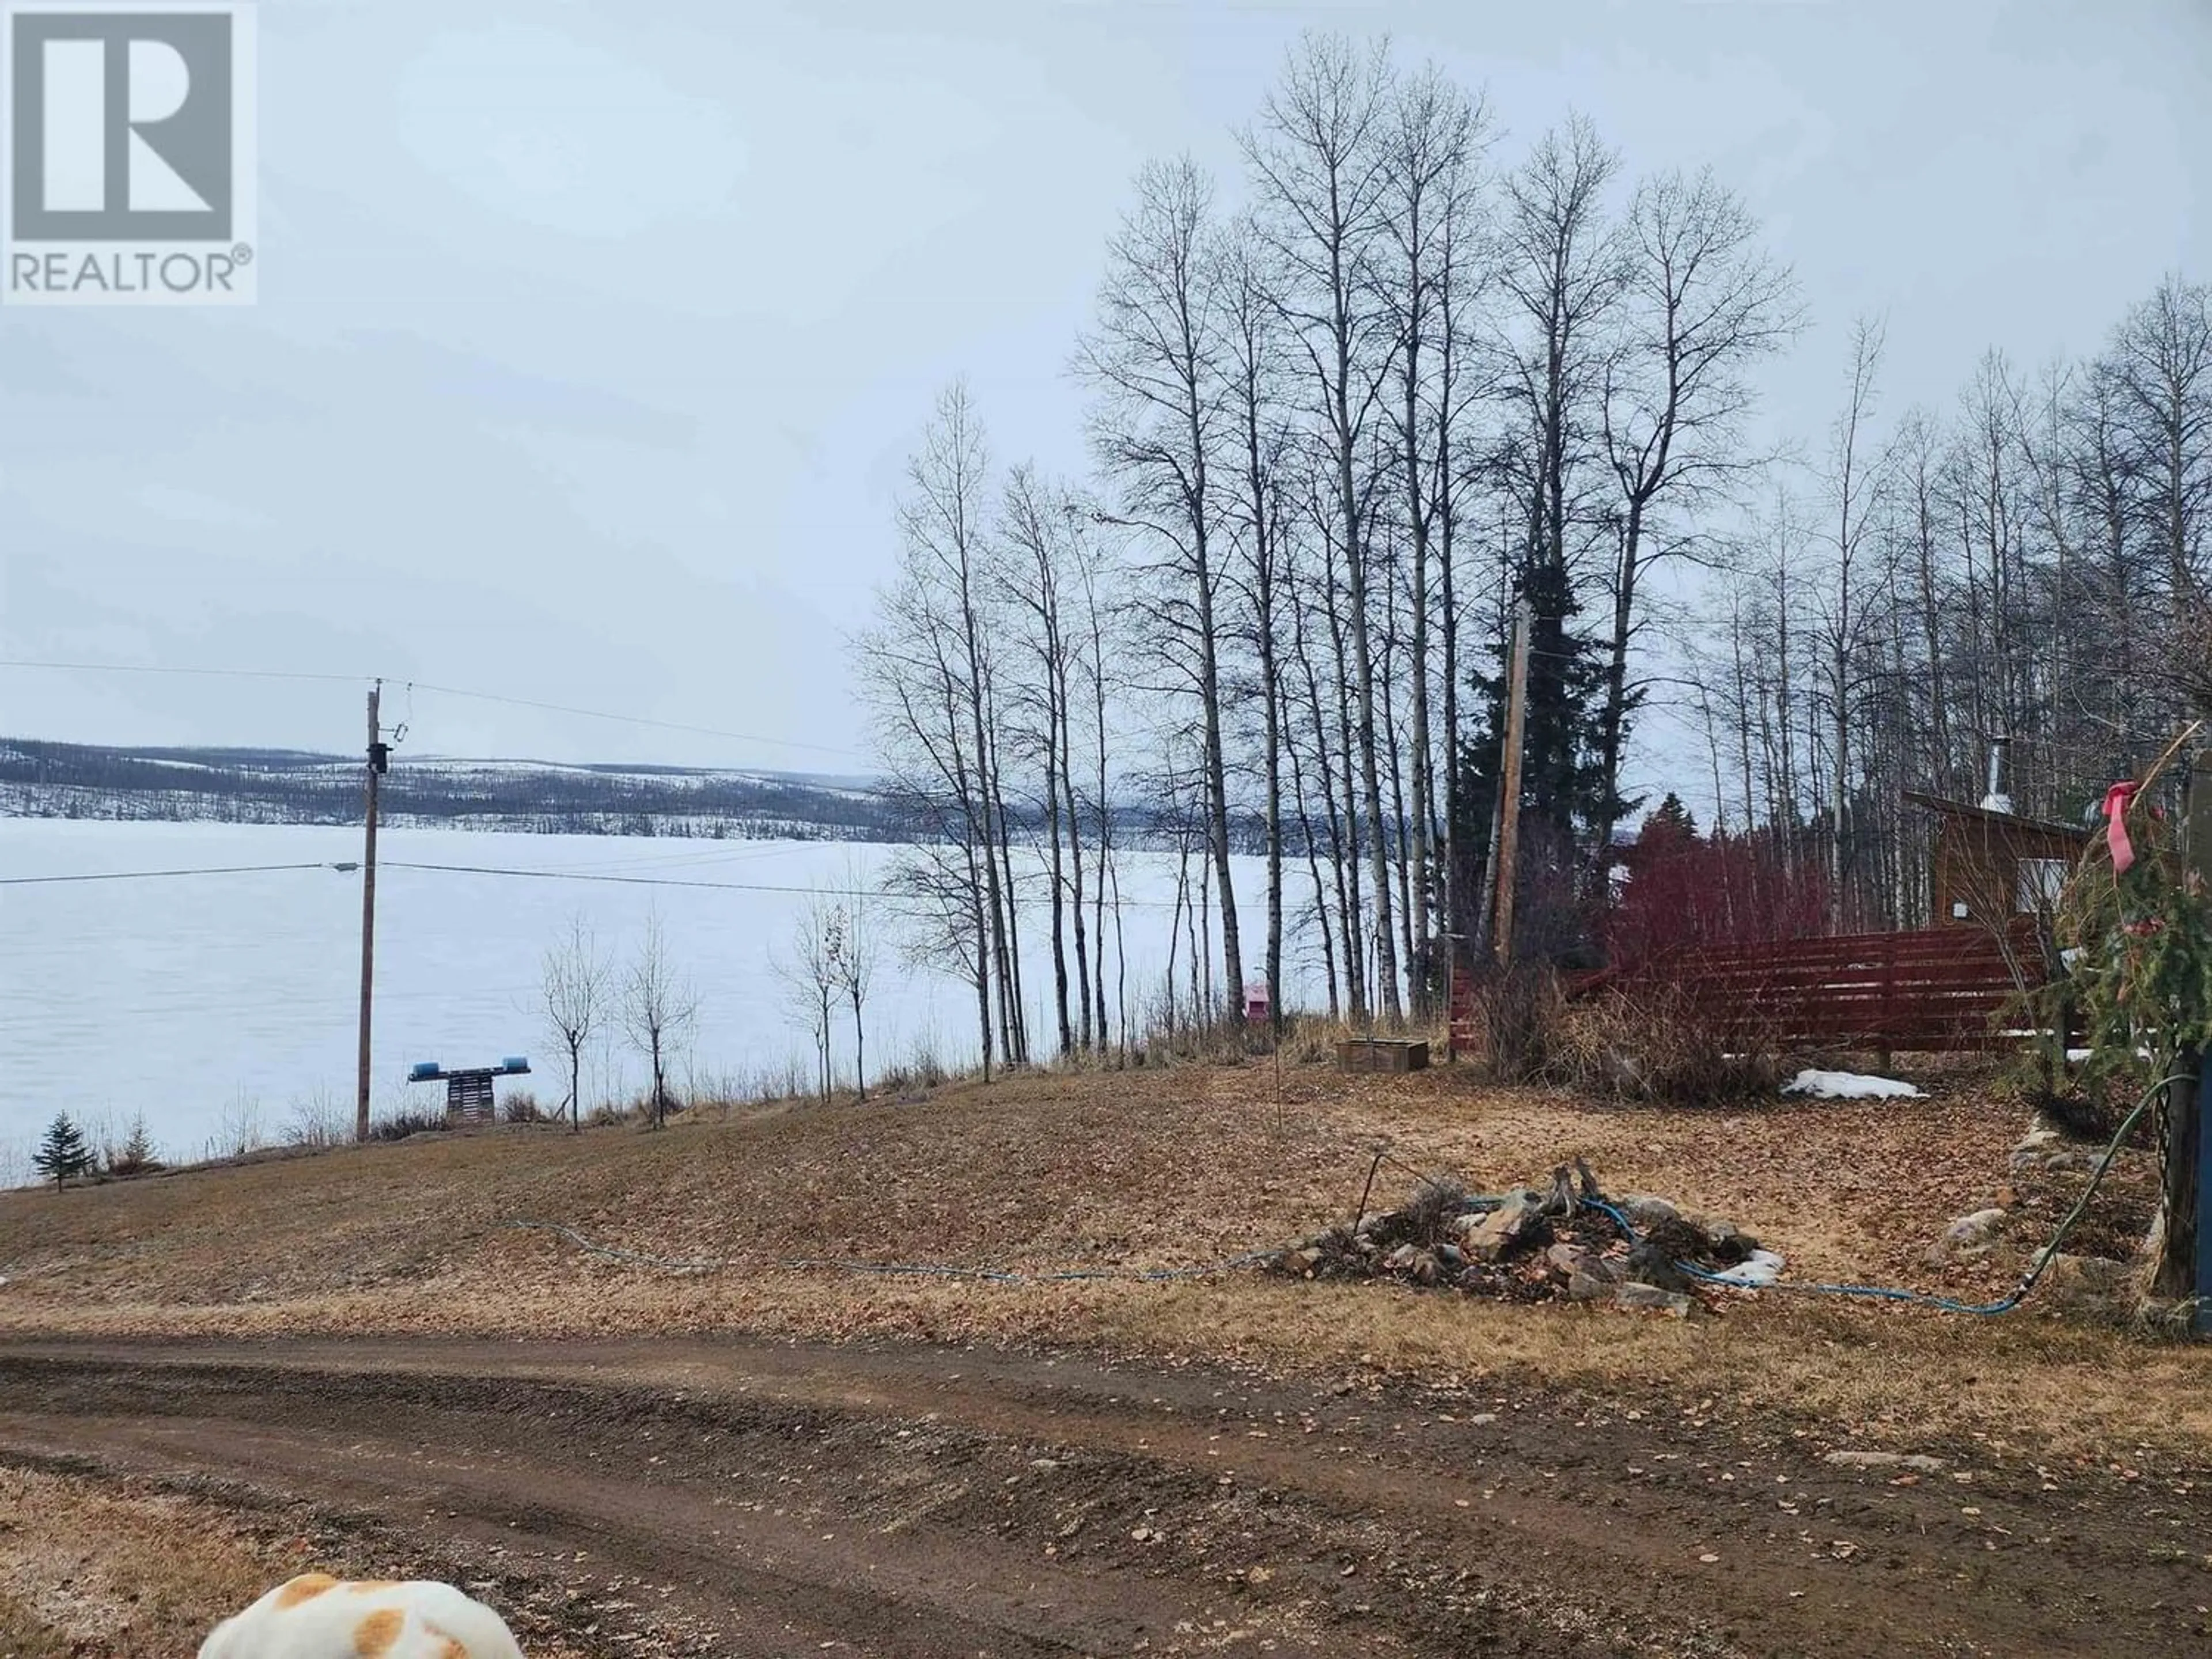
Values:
[(203, 999)]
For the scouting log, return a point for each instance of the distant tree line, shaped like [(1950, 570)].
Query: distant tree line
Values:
[(46, 779), (82, 781)]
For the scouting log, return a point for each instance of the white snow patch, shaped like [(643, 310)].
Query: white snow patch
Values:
[(1849, 1086), (1758, 1270)]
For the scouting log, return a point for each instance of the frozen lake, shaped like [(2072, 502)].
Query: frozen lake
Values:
[(200, 999)]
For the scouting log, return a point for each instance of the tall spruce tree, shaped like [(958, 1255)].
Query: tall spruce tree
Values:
[(1670, 822), (1564, 774)]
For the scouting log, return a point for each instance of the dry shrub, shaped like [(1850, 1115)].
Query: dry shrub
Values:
[(1686, 892), (1435, 1201), (1310, 1040), (1171, 1036), (522, 1107), (239, 1130), (398, 1126), (1656, 1042), (1517, 1023), (1304, 1038), (320, 1122)]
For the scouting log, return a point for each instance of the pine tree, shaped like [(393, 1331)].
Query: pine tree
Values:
[(138, 1154), (1562, 772), (63, 1153), (1673, 822)]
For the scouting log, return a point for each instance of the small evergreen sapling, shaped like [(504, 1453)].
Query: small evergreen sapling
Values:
[(63, 1153), (136, 1155)]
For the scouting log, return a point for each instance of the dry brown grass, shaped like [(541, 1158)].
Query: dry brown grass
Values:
[(24, 1635), (1045, 1173), (117, 1568), (109, 1570)]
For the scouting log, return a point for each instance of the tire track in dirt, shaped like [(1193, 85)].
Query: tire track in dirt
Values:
[(930, 1502), (748, 1584)]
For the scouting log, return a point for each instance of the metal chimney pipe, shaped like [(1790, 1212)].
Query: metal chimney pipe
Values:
[(1996, 800)]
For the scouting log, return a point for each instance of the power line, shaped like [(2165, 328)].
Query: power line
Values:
[(443, 690), (886, 895), (646, 862), (344, 867), (186, 1004), (633, 719), (158, 875), (210, 673), (634, 881)]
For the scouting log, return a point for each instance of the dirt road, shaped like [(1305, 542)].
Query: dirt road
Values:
[(734, 1497)]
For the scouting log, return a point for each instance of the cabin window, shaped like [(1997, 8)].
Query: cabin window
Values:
[(2041, 881)]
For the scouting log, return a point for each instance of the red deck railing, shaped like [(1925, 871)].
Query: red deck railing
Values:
[(1936, 988)]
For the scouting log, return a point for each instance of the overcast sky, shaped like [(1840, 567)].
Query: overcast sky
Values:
[(592, 336)]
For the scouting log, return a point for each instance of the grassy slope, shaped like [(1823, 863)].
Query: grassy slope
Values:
[(1142, 1170)]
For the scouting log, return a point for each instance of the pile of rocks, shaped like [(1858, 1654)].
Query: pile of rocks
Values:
[(2049, 1166), (2045, 1150), (1537, 1245)]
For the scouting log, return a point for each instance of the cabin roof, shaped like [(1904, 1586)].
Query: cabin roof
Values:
[(1984, 815)]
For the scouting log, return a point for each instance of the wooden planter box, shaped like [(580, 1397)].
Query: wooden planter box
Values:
[(1384, 1054)]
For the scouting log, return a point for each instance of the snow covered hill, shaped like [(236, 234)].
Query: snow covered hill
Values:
[(40, 778)]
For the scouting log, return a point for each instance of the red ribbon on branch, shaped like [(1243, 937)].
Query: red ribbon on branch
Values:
[(2116, 825)]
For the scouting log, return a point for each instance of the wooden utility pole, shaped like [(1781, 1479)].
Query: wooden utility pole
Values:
[(378, 759), (1509, 785), (2184, 1268)]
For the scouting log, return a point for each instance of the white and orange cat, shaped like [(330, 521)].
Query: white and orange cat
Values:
[(318, 1617)]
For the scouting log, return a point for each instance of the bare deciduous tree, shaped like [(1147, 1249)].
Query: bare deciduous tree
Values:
[(1258, 439), (1319, 157), (852, 964), (1704, 302), (1853, 479), (2161, 362), (1032, 582), (658, 1008), (1428, 282), (810, 967), (578, 994), (924, 670), (1154, 362), (1562, 271)]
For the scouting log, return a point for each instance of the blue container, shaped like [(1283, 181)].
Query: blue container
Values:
[(422, 1071), (516, 1063)]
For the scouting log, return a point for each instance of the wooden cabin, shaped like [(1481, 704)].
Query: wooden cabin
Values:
[(1990, 865)]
